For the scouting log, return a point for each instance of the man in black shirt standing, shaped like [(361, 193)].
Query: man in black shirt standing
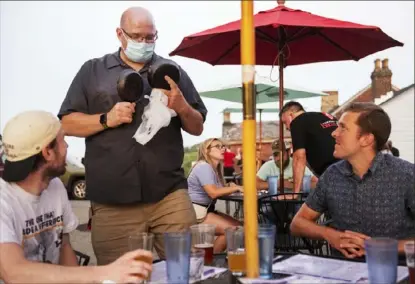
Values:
[(311, 137), (132, 187)]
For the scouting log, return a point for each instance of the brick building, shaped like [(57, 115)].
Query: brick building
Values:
[(380, 89), (232, 134)]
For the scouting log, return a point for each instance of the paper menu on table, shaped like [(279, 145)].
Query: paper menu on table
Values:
[(159, 273), (340, 270), (294, 279)]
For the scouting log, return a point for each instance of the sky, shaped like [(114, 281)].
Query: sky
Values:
[(43, 45)]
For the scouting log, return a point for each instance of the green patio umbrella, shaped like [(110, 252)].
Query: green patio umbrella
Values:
[(266, 92)]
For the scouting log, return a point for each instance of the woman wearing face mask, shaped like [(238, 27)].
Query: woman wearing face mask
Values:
[(206, 184)]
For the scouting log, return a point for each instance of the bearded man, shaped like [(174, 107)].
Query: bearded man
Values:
[(272, 168)]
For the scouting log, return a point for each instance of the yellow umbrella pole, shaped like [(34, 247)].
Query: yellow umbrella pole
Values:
[(281, 100), (249, 138)]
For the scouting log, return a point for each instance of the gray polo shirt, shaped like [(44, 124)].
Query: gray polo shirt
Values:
[(118, 169), (381, 204)]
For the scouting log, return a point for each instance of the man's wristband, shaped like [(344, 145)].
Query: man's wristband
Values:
[(103, 120)]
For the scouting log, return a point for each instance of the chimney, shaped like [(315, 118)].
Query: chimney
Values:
[(281, 2), (377, 64), (329, 102), (381, 79), (226, 117)]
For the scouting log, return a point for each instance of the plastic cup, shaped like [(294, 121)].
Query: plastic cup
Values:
[(177, 248), (266, 241), (410, 260), (236, 250), (272, 185), (382, 260), (306, 183), (144, 241), (203, 237), (197, 259)]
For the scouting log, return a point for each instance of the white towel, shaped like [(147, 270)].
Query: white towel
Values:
[(156, 115)]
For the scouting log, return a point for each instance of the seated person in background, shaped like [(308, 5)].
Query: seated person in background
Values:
[(368, 194), (36, 215), (229, 162), (206, 184), (272, 168)]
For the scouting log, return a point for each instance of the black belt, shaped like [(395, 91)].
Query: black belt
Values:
[(204, 205)]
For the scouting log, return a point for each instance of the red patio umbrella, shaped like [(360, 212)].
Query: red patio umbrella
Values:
[(285, 36)]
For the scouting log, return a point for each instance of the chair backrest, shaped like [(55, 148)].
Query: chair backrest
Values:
[(281, 207), (280, 210), (83, 259)]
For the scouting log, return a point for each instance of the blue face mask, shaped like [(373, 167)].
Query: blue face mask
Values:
[(140, 52)]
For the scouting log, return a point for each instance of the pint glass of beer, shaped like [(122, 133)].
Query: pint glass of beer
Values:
[(410, 259), (142, 241), (203, 237), (236, 250)]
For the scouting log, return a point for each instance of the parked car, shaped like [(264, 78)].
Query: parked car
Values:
[(74, 181), (1, 165)]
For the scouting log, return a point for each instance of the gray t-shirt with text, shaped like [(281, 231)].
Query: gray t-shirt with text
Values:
[(202, 174)]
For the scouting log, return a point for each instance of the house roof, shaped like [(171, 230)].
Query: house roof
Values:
[(398, 93), (358, 94)]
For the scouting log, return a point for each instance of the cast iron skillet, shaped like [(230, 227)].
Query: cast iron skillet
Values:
[(162, 68), (130, 86)]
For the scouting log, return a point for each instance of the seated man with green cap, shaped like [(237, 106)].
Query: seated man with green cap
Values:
[(272, 168)]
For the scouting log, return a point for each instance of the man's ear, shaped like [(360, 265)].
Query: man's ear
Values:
[(48, 153), (367, 140)]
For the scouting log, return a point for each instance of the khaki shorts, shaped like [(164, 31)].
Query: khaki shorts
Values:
[(112, 225), (201, 212)]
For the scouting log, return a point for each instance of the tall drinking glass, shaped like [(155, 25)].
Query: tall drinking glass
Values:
[(266, 240), (272, 185), (203, 237), (382, 260), (410, 259), (177, 247), (144, 241), (236, 250)]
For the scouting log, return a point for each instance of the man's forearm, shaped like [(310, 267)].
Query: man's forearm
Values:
[(299, 165), (309, 229), (192, 121), (261, 184), (34, 272), (68, 256), (81, 125)]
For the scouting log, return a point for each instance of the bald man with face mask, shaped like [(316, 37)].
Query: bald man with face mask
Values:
[(132, 187)]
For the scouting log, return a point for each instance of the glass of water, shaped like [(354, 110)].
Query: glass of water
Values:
[(177, 247), (197, 259), (306, 183), (266, 240), (382, 260)]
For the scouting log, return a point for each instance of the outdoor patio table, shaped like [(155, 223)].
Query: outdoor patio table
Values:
[(238, 198), (227, 277)]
